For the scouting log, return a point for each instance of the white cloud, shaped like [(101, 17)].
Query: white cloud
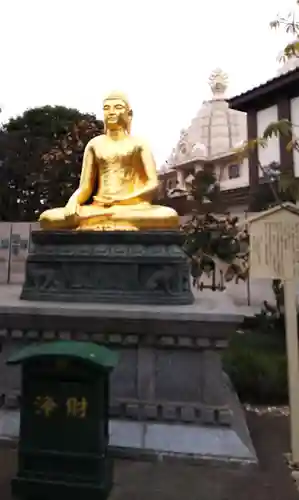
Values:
[(160, 53)]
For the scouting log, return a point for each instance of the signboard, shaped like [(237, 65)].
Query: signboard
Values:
[(274, 246), (274, 253)]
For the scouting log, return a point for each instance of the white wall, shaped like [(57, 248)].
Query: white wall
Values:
[(294, 103), (181, 179), (241, 181), (270, 153)]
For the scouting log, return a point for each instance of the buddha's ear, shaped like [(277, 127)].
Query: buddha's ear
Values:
[(129, 124)]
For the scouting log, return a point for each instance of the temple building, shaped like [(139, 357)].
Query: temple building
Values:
[(276, 99), (220, 127), (210, 141)]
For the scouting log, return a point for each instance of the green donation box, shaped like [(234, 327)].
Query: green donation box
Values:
[(64, 422)]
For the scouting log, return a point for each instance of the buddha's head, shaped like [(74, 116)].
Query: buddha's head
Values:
[(117, 112)]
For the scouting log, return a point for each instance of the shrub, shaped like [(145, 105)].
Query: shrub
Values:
[(257, 366)]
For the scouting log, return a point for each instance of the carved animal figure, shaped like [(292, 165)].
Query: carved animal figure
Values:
[(161, 279)]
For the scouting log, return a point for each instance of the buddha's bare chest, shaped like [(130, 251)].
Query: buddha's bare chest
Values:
[(118, 153), (117, 167)]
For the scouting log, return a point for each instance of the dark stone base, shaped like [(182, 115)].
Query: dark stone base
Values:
[(33, 489), (120, 267)]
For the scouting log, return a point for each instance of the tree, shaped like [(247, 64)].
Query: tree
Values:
[(290, 25), (205, 187), (40, 159), (269, 192), (213, 240)]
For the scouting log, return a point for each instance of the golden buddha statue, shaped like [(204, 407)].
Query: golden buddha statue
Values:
[(118, 180)]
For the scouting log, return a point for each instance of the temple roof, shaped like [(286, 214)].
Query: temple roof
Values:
[(267, 93), (216, 129)]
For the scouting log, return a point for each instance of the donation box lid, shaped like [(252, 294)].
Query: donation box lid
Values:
[(87, 352)]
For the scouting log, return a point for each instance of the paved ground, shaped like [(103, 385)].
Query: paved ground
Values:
[(146, 481)]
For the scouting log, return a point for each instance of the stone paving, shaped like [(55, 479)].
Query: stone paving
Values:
[(271, 480)]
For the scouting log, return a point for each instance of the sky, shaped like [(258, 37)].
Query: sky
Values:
[(159, 52)]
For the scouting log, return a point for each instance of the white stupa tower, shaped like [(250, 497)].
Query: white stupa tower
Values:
[(214, 131)]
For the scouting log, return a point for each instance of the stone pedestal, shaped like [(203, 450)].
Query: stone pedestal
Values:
[(169, 396), (119, 267)]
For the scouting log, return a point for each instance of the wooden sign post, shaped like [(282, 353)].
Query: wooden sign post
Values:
[(274, 254)]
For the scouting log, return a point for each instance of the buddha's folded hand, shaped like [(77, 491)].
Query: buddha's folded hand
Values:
[(71, 208), (105, 200)]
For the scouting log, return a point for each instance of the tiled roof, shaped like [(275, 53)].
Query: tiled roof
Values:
[(271, 85)]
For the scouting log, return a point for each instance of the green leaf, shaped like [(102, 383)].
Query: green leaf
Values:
[(282, 127), (275, 24), (293, 144), (289, 184)]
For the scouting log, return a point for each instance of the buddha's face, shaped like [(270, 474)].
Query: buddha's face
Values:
[(116, 114)]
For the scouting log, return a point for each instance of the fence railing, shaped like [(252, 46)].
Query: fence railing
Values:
[(15, 240), (215, 281)]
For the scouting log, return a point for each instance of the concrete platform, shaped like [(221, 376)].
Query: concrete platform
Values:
[(206, 307), (169, 396), (157, 441)]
